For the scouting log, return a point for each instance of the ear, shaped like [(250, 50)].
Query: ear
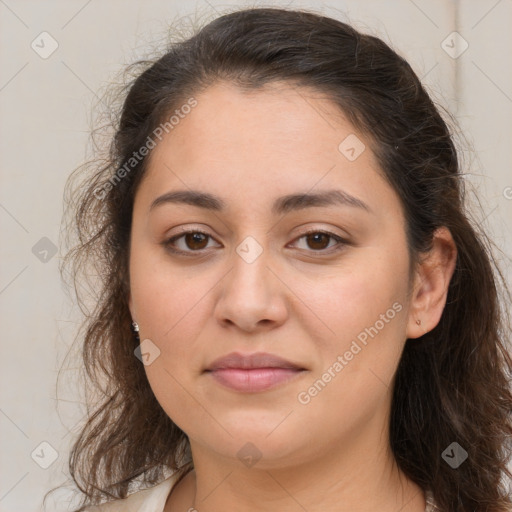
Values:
[(430, 285), (130, 306)]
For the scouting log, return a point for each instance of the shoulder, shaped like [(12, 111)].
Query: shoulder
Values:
[(147, 500)]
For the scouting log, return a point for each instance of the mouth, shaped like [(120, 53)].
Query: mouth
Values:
[(254, 372)]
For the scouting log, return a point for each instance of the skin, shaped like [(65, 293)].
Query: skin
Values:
[(300, 299)]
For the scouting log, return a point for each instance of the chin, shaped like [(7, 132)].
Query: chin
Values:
[(252, 445)]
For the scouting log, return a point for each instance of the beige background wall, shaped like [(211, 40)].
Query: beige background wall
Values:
[(45, 107)]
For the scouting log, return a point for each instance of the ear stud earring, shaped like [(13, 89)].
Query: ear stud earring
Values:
[(135, 327)]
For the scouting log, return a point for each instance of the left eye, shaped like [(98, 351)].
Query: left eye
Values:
[(317, 239), (196, 241)]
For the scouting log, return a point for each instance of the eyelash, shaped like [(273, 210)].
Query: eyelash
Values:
[(168, 243)]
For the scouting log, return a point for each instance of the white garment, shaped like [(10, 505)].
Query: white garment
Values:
[(154, 498), (147, 500)]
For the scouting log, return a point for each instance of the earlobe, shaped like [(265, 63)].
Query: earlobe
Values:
[(431, 283)]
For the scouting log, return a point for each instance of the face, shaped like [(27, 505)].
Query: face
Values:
[(254, 268)]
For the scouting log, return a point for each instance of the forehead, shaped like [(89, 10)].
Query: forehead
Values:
[(286, 118), (251, 143)]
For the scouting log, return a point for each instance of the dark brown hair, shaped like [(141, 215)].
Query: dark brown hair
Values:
[(452, 384)]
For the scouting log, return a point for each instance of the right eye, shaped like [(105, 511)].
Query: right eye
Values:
[(195, 240)]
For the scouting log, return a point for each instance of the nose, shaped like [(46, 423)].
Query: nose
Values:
[(253, 297)]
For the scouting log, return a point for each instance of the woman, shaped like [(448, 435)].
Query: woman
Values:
[(296, 313)]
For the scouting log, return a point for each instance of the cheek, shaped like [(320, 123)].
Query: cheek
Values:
[(366, 312), (365, 283), (168, 307), (364, 307), (162, 295), (173, 307)]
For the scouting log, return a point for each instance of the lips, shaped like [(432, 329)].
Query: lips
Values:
[(254, 372), (251, 361)]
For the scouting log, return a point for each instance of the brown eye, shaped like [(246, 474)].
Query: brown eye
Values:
[(196, 240), (188, 242), (318, 241)]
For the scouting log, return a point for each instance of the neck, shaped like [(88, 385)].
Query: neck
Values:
[(361, 475)]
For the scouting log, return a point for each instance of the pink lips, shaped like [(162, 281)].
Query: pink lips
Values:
[(253, 373)]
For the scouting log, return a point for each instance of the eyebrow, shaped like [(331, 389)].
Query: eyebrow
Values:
[(281, 205)]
